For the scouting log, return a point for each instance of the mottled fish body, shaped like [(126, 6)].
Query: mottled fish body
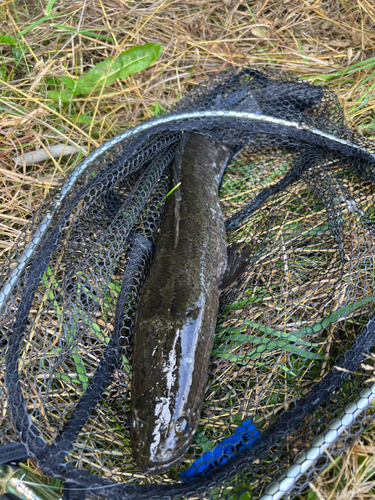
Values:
[(177, 310)]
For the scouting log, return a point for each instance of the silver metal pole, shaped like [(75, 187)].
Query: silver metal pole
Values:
[(287, 481)]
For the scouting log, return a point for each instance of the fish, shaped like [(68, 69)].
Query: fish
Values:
[(178, 305), (177, 310)]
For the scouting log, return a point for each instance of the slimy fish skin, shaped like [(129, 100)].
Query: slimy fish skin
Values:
[(177, 310)]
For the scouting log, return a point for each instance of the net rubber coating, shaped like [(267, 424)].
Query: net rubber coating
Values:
[(287, 380)]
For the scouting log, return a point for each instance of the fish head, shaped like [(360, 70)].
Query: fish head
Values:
[(168, 388), (159, 444)]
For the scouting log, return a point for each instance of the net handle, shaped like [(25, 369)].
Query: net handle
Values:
[(277, 489)]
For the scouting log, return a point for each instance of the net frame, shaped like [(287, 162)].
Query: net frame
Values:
[(311, 135)]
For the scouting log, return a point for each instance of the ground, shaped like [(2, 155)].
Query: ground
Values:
[(45, 45)]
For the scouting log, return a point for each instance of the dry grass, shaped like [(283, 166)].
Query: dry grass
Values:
[(327, 42), (352, 476), (316, 39)]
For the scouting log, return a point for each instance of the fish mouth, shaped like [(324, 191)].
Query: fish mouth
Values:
[(158, 459), (156, 449), (157, 466)]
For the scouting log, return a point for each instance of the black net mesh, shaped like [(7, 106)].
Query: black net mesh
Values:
[(291, 332)]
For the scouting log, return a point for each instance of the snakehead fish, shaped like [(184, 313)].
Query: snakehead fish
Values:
[(177, 310)]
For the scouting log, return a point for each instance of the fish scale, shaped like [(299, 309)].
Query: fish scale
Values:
[(177, 310)]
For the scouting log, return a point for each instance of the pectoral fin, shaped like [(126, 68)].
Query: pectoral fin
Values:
[(238, 258)]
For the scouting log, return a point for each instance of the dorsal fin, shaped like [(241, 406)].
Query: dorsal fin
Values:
[(176, 180)]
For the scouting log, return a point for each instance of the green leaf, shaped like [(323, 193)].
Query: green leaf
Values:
[(311, 495), (65, 95), (286, 341), (51, 284), (36, 23), (204, 443), (294, 336), (139, 58), (342, 313), (70, 29), (49, 6), (87, 82), (115, 285), (18, 51), (129, 62), (78, 363), (157, 109), (8, 39), (68, 82), (53, 81), (82, 119), (226, 351)]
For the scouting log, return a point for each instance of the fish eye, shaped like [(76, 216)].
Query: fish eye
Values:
[(181, 425)]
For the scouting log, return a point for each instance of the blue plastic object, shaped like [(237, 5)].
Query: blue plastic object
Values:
[(243, 437)]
